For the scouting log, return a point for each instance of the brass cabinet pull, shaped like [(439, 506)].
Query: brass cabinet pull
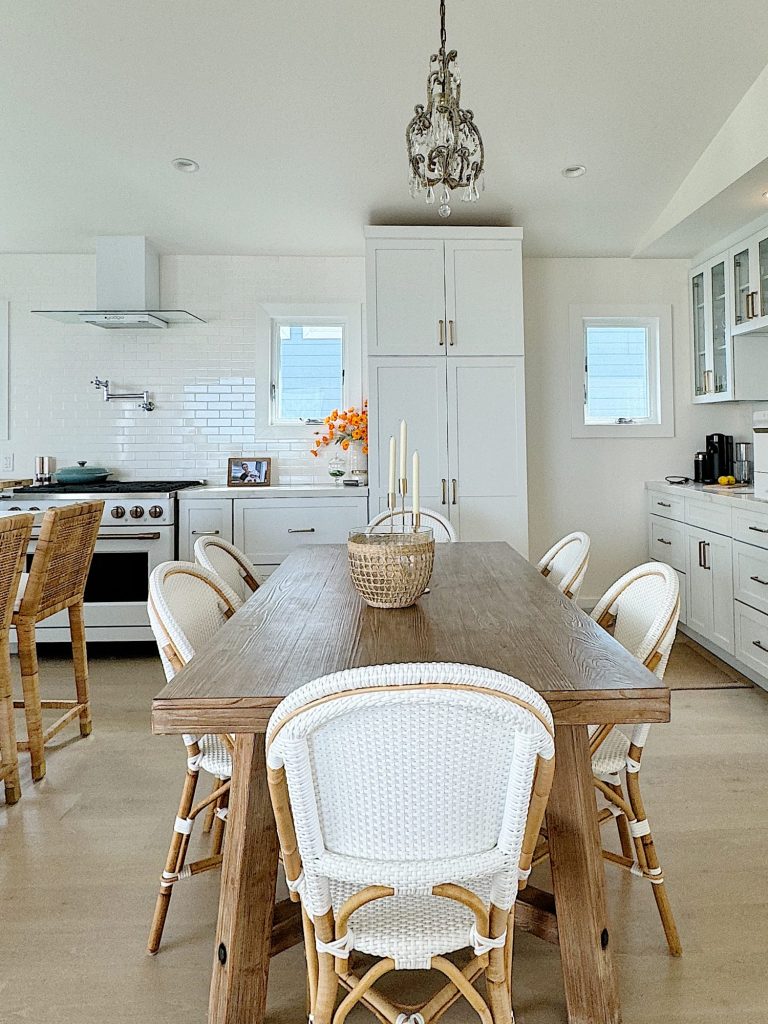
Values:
[(451, 332), (753, 305), (756, 643), (310, 529), (205, 533), (441, 332), (701, 554), (444, 485), (667, 542), (758, 580), (757, 529), (453, 491), (705, 564), (709, 382)]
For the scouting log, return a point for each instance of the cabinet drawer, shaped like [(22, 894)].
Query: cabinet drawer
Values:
[(750, 527), (666, 542), (668, 505), (750, 575), (708, 515), (752, 638), (268, 533)]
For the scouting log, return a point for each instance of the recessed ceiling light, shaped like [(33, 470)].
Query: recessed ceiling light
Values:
[(574, 171), (183, 163)]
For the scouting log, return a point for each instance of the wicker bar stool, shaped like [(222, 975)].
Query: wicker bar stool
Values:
[(408, 799), (56, 581), (229, 563), (441, 527), (187, 606), (566, 562), (14, 538)]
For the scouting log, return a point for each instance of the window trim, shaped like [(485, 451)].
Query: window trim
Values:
[(350, 318), (660, 369)]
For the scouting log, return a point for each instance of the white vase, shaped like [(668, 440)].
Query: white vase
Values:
[(358, 463)]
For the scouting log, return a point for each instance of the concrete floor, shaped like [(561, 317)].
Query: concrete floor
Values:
[(80, 855)]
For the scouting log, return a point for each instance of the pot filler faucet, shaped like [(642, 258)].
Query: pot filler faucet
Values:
[(110, 396)]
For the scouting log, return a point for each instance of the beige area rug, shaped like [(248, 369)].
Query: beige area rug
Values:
[(691, 667)]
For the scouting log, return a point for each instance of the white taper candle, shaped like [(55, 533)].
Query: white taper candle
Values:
[(392, 466), (403, 450), (416, 486)]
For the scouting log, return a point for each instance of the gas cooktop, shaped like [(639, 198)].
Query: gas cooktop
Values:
[(111, 487)]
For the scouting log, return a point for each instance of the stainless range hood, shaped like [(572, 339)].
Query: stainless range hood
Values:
[(127, 289)]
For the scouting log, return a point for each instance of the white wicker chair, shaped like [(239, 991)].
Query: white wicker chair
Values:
[(443, 530), (565, 564), (408, 801), (229, 563), (641, 610), (187, 606)]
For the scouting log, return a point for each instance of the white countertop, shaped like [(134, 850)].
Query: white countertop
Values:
[(277, 491), (735, 496)]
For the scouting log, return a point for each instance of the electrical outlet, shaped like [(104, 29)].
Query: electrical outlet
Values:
[(8, 463)]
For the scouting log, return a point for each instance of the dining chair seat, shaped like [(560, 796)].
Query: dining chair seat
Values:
[(611, 756), (56, 583)]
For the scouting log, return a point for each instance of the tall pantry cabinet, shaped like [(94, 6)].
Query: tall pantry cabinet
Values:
[(445, 347)]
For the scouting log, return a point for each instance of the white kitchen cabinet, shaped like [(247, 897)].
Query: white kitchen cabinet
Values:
[(434, 292), (486, 450), (202, 517), (749, 274), (710, 586), (269, 529), (711, 329)]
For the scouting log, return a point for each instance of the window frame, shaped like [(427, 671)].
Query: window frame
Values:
[(344, 314), (657, 321)]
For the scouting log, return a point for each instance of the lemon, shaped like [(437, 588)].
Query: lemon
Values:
[(723, 481), (731, 480)]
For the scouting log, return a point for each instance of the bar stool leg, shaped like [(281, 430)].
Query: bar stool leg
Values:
[(8, 751), (80, 661), (30, 685)]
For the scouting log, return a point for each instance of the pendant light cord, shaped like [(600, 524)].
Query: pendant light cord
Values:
[(442, 26)]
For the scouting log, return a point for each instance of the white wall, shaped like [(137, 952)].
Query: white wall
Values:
[(210, 383), (597, 484)]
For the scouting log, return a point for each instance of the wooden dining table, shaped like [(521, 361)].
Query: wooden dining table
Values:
[(486, 605)]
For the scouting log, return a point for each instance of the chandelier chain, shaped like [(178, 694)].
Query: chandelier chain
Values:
[(442, 26)]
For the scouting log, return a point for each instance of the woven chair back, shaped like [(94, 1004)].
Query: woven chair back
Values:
[(405, 765), (228, 563), (62, 559), (565, 564), (442, 529), (15, 532), (646, 605), (187, 606)]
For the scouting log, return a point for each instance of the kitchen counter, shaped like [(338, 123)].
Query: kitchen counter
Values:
[(737, 497), (278, 491)]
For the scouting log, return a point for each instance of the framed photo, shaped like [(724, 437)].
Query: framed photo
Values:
[(249, 471)]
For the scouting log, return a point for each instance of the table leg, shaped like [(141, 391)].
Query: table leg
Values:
[(246, 907), (577, 874)]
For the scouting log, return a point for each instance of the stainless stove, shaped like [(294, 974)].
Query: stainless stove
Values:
[(138, 532)]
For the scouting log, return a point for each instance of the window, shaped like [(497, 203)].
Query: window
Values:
[(621, 369), (307, 370)]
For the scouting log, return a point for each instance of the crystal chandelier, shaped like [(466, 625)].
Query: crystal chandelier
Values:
[(445, 148)]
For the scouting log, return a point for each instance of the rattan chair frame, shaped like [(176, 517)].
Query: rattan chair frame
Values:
[(570, 585), (327, 974), (57, 578), (215, 804), (15, 532), (426, 514), (246, 569)]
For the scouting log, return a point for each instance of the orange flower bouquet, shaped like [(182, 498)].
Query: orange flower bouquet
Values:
[(344, 428)]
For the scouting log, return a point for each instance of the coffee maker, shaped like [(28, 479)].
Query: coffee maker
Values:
[(718, 458)]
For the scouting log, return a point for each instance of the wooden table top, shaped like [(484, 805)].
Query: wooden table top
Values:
[(486, 606)]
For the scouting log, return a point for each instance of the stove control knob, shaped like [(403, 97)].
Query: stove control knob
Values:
[(15, 508), (136, 512), (155, 511), (34, 508), (118, 512)]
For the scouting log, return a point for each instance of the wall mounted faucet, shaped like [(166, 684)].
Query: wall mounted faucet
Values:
[(110, 396)]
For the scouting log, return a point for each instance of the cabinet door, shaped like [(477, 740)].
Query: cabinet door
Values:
[(484, 298), (698, 320), (202, 518), (405, 289), (710, 587), (718, 308), (742, 288), (413, 390), (269, 529), (486, 431)]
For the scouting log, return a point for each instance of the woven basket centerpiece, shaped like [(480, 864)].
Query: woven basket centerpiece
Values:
[(391, 568)]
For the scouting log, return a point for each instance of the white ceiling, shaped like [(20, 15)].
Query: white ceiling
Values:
[(296, 113)]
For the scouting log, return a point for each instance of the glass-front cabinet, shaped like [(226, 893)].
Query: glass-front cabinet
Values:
[(712, 345), (749, 272)]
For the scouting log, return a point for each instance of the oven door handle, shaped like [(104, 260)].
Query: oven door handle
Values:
[(117, 536)]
